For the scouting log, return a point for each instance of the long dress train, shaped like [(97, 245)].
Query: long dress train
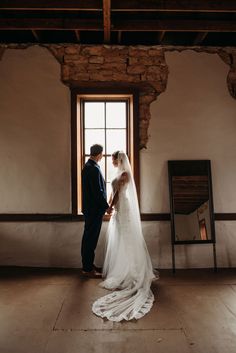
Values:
[(127, 268)]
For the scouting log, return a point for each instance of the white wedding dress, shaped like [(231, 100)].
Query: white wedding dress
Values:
[(127, 269)]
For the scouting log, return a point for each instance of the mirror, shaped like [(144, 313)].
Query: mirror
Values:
[(192, 219)]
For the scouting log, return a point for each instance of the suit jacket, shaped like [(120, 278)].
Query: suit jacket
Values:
[(94, 196)]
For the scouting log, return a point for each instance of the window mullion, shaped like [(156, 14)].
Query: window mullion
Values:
[(116, 132), (105, 147)]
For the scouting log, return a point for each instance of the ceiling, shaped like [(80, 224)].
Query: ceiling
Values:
[(189, 193), (119, 22)]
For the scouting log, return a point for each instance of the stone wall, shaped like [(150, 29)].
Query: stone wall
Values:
[(140, 67), (143, 68), (229, 57)]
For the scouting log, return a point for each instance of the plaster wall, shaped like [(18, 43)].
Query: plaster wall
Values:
[(58, 245), (34, 134), (194, 119)]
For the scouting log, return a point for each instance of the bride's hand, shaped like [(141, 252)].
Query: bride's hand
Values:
[(109, 210)]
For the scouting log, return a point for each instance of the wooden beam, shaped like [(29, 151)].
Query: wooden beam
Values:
[(77, 33), (160, 36), (107, 20), (50, 24), (175, 5), (91, 5), (119, 36), (122, 25), (200, 38), (175, 25), (36, 35), (47, 217), (128, 5)]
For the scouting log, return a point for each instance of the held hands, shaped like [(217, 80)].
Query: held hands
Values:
[(109, 210)]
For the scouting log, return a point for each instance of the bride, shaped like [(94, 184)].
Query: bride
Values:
[(127, 268)]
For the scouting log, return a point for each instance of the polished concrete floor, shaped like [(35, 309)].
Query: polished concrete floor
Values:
[(49, 311)]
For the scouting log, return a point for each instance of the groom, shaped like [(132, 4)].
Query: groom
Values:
[(94, 206)]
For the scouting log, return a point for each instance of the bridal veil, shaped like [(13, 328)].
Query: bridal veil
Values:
[(127, 269)]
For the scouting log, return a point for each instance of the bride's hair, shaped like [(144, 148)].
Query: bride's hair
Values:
[(115, 154)]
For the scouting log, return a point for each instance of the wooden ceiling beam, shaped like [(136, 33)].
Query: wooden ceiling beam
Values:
[(107, 20), (50, 24), (175, 25), (160, 36), (122, 25), (91, 5), (119, 36), (175, 5), (200, 38), (128, 5), (77, 34), (36, 35)]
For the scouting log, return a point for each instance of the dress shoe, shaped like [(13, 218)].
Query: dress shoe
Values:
[(91, 274), (97, 269)]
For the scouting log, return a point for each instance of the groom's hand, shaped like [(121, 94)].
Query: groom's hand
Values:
[(109, 210)]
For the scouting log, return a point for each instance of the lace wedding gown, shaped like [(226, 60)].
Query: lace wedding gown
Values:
[(127, 268)]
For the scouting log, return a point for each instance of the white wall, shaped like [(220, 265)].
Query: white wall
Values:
[(58, 245), (34, 134), (194, 119), (187, 225)]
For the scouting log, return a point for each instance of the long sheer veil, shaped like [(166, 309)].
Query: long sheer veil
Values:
[(131, 193), (127, 266)]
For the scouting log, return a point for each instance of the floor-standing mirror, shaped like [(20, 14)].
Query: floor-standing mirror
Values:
[(191, 204)]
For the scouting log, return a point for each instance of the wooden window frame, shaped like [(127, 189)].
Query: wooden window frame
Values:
[(77, 130), (73, 216)]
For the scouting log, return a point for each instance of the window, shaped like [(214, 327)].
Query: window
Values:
[(107, 120), (203, 229)]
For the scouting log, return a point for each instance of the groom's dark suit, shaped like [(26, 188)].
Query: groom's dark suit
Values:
[(94, 205)]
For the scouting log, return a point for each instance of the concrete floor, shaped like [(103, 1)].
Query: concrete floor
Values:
[(49, 311)]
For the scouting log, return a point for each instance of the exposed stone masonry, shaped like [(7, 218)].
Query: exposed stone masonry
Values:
[(229, 57), (141, 67)]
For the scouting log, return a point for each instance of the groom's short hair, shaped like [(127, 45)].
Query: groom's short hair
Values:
[(95, 150)]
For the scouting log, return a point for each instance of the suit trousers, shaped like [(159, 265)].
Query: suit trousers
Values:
[(92, 228)]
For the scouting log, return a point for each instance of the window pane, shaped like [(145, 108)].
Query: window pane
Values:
[(102, 166), (108, 186), (92, 137), (94, 115), (116, 115), (111, 170), (116, 140)]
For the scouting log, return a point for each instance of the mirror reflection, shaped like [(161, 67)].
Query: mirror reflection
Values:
[(191, 207), (191, 201)]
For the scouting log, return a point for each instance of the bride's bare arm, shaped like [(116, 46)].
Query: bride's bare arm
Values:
[(110, 199), (114, 199), (109, 210), (124, 178)]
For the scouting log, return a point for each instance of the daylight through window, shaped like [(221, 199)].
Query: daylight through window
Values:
[(109, 122)]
